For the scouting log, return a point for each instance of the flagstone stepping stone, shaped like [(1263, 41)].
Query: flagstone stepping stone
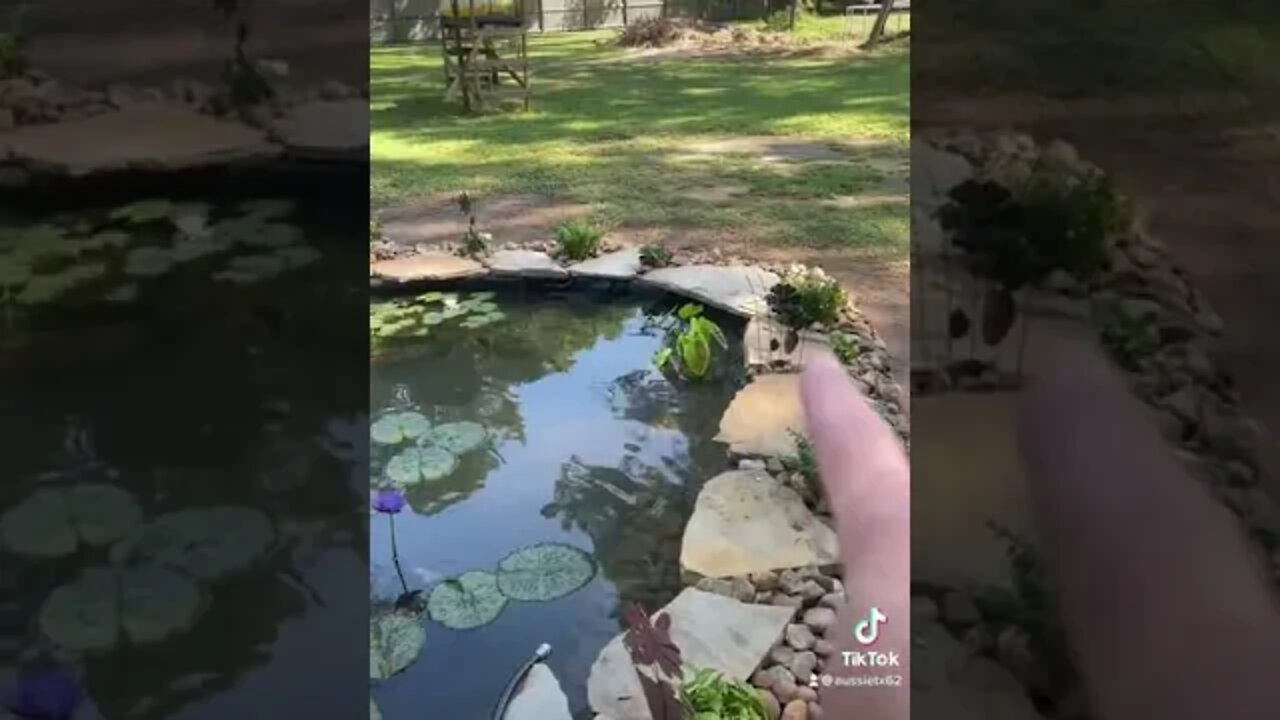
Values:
[(525, 263), (620, 265), (712, 631), (763, 415), (327, 130), (540, 697), (738, 289), (745, 521), (427, 266)]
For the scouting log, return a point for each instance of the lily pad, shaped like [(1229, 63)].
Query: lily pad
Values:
[(205, 543), (148, 262), (456, 437), (266, 208), (105, 240), (41, 289), (395, 428), (545, 572), (263, 266), (192, 220), (105, 605), (195, 247), (53, 522), (143, 211), (122, 294), (299, 256), (273, 235), (466, 602), (430, 297), (420, 464), (14, 273), (395, 641)]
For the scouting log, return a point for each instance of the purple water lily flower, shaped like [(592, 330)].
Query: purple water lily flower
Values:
[(388, 502), (46, 695)]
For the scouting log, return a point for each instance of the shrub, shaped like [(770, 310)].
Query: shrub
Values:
[(845, 349), (655, 256), (803, 300), (12, 60), (578, 240), (778, 21)]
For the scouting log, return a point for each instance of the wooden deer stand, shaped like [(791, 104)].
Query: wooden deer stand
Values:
[(482, 51)]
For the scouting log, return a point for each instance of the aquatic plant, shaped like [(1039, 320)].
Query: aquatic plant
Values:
[(54, 522), (53, 694), (395, 641), (578, 240), (545, 571), (456, 437), (657, 661), (420, 464), (468, 601), (208, 543), (709, 695), (388, 502), (105, 605), (688, 350), (398, 427)]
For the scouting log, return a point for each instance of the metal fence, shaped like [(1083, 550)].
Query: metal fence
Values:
[(401, 21)]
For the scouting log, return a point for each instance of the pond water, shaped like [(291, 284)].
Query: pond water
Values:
[(182, 522), (586, 446)]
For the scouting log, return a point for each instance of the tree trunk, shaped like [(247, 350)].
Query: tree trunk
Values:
[(882, 19), (791, 22)]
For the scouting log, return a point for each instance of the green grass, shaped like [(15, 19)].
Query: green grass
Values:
[(618, 134)]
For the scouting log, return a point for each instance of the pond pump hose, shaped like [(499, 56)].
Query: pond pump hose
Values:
[(539, 655)]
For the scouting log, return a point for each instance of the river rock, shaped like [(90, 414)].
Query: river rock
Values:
[(772, 708), (959, 609), (763, 416), (745, 521), (737, 289), (799, 637), (796, 710), (802, 665), (820, 619), (539, 698), (782, 655), (713, 632)]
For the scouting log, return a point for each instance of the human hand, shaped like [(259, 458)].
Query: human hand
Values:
[(865, 475)]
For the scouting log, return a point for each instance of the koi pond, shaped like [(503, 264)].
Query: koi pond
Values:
[(181, 524), (536, 471)]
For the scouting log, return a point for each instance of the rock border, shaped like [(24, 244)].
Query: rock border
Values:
[(782, 678), (36, 100), (1191, 398)]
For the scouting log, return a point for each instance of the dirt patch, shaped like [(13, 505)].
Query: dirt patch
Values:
[(718, 193), (1208, 189), (771, 150), (511, 218), (728, 53), (866, 200)]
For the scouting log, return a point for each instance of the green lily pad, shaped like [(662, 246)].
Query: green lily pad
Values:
[(299, 256), (420, 464), (264, 266), (192, 220), (148, 262), (14, 273), (195, 247), (105, 240), (477, 321), (395, 428), (53, 522), (395, 641), (456, 437), (104, 605), (432, 318), (122, 294), (466, 602), (273, 235), (485, 307), (266, 208), (545, 572), (205, 543), (483, 295), (143, 211), (430, 297)]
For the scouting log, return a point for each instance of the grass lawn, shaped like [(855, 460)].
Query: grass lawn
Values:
[(624, 136)]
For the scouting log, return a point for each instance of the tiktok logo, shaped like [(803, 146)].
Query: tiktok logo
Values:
[(866, 631)]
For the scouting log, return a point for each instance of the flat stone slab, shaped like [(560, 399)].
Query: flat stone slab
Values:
[(950, 683), (711, 630), (145, 136), (620, 265), (745, 521), (759, 339), (525, 263), (738, 289), (762, 416), (540, 697), (325, 129), (427, 266)]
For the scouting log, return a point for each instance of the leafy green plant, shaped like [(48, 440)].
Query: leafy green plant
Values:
[(803, 300), (1069, 224), (1036, 610), (777, 21), (474, 242), (689, 349), (1130, 341), (805, 462), (708, 695), (655, 256), (13, 61), (578, 239), (844, 347)]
